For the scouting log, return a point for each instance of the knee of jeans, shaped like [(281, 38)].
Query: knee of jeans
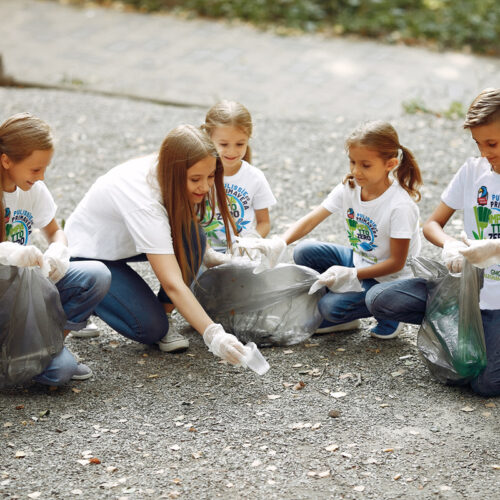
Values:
[(300, 253), (151, 332), (374, 300), (486, 385), (331, 309), (101, 276)]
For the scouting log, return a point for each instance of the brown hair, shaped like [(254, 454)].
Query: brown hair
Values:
[(181, 149), (229, 114), (382, 137), (20, 135), (485, 109)]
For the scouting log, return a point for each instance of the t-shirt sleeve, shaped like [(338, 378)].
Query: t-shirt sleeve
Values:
[(453, 195), (150, 230), (44, 206), (404, 220), (263, 197), (333, 202)]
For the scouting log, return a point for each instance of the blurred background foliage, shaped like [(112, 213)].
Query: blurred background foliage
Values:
[(471, 25)]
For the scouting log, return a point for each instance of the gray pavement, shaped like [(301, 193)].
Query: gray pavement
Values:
[(198, 62)]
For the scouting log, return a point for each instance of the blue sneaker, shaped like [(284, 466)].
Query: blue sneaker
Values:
[(328, 327), (386, 329)]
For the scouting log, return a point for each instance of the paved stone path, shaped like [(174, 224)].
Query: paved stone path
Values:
[(198, 62)]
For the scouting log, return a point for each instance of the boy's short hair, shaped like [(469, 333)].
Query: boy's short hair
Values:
[(485, 109)]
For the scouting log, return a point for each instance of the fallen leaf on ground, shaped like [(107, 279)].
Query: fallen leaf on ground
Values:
[(299, 386), (338, 394), (467, 408), (273, 396), (332, 447)]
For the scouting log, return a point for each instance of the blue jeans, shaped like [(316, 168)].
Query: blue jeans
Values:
[(83, 286), (405, 300), (131, 307), (337, 308)]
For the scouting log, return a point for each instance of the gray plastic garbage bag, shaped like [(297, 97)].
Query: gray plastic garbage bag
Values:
[(269, 308), (31, 324), (451, 337)]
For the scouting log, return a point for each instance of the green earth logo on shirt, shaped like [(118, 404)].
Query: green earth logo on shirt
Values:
[(360, 234)]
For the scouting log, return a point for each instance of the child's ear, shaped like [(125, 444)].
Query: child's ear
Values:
[(392, 163), (5, 161)]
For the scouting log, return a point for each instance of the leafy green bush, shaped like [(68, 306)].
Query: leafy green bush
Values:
[(446, 23)]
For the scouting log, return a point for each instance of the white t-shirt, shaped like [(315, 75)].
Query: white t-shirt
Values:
[(371, 224), (475, 189), (27, 210), (122, 215), (247, 191)]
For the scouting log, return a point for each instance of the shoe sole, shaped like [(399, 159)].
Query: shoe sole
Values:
[(82, 377), (85, 335), (343, 327), (177, 346)]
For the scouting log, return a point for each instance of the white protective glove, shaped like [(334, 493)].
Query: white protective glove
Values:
[(451, 255), (224, 345), (481, 253), (12, 254), (338, 279), (213, 258), (57, 258), (270, 250)]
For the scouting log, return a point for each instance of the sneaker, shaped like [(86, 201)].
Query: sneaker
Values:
[(83, 372), (173, 342), (327, 327), (89, 331), (386, 330)]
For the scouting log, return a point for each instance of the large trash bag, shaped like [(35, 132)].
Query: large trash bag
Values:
[(31, 324), (451, 337), (269, 308)]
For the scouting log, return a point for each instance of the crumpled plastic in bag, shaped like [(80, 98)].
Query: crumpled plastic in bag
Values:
[(31, 324), (451, 337), (269, 308)]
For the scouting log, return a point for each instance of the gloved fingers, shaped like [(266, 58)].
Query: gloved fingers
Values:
[(317, 285), (25, 256), (465, 239), (234, 354), (455, 265)]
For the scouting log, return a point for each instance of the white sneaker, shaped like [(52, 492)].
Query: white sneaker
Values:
[(343, 327), (83, 372), (173, 342), (91, 330)]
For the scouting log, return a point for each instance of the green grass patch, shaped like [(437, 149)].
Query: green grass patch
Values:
[(448, 24)]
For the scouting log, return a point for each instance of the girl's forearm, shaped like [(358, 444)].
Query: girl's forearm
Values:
[(385, 268)]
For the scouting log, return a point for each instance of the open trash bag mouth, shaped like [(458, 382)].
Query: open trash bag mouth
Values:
[(451, 337), (269, 308)]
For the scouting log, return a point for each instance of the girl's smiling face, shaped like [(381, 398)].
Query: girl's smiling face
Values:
[(200, 179), (231, 144), (487, 138), (370, 171), (23, 174)]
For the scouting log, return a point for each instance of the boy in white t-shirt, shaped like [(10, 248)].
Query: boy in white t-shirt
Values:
[(475, 189)]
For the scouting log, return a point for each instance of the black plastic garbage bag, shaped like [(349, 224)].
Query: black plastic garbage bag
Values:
[(31, 324), (269, 308), (451, 337)]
